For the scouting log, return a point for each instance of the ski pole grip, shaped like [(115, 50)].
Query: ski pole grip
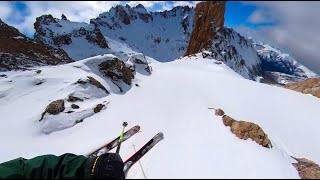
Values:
[(125, 124)]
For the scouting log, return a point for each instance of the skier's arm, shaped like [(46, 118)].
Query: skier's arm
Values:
[(108, 165), (48, 167)]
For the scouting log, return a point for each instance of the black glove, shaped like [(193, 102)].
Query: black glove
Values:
[(108, 165)]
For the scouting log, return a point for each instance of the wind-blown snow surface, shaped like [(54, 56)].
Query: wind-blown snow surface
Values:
[(174, 100)]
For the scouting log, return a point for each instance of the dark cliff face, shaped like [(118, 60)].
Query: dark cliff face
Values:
[(210, 36), (208, 19), (17, 50)]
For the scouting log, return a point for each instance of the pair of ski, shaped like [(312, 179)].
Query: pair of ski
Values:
[(137, 155)]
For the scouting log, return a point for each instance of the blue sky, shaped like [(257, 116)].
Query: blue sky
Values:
[(237, 14)]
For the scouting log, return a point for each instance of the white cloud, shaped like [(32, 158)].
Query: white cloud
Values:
[(258, 17), (165, 5), (81, 11), (186, 3), (296, 29), (146, 4), (5, 10)]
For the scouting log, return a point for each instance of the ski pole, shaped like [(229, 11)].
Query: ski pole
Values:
[(121, 137)]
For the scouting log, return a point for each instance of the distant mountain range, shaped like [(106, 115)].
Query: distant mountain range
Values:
[(164, 36)]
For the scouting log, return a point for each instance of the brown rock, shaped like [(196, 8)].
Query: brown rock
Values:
[(309, 86), (62, 40), (98, 108), (227, 121), (208, 18), (307, 169), (44, 33), (245, 130), (219, 112), (96, 83), (99, 39), (72, 98), (117, 70), (54, 108), (18, 50), (74, 106)]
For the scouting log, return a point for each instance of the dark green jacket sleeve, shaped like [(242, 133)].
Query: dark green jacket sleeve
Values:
[(48, 167)]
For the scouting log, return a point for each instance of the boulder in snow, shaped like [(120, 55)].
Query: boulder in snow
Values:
[(98, 108), (307, 169), (74, 106), (54, 108), (72, 98), (117, 71), (96, 83), (219, 112), (245, 130)]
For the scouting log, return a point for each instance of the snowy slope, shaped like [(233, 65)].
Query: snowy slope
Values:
[(237, 52), (174, 100), (161, 35), (79, 40)]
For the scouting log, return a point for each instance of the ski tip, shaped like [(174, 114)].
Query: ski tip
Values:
[(136, 128), (159, 135)]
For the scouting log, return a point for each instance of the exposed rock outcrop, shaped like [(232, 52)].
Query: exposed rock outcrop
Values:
[(208, 19), (19, 52), (54, 108), (117, 70), (96, 83), (309, 86), (72, 98), (219, 112), (307, 169), (245, 130), (60, 33), (91, 81), (74, 106), (222, 43), (165, 35), (98, 108)]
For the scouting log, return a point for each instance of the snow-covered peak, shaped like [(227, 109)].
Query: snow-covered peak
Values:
[(275, 60), (140, 9), (161, 35), (79, 40), (19, 52)]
